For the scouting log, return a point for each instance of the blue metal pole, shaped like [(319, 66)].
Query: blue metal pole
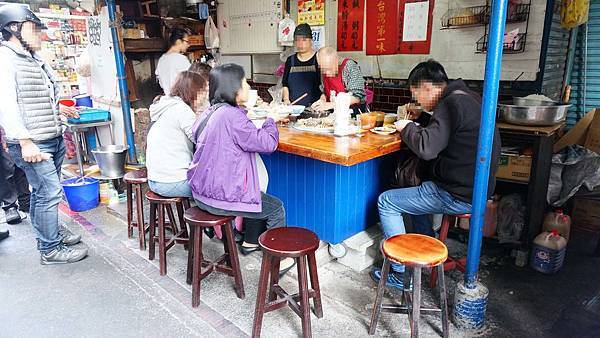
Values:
[(486, 138), (123, 89)]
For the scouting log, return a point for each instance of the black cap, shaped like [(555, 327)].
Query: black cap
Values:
[(17, 13), (303, 31)]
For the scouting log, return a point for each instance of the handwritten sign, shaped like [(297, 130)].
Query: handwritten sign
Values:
[(351, 14), (415, 34), (382, 27)]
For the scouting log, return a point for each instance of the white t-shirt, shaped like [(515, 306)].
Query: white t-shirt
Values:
[(169, 66)]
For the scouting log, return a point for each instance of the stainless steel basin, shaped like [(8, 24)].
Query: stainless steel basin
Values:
[(522, 101), (533, 115), (111, 160)]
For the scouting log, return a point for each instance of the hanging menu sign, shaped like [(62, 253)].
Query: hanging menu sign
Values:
[(351, 15), (311, 12), (416, 17), (382, 27)]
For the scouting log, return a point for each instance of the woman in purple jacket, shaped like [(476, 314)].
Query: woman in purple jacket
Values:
[(223, 174)]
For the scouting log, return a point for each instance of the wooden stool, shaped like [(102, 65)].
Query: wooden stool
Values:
[(134, 181), (228, 263), (415, 251), (158, 204), (452, 262), (297, 243)]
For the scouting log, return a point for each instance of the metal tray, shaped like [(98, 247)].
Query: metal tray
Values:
[(533, 115)]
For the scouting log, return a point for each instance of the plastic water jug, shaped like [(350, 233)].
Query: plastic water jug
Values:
[(548, 252), (557, 220)]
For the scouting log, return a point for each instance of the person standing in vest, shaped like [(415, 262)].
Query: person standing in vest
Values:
[(301, 74), (340, 76), (30, 116)]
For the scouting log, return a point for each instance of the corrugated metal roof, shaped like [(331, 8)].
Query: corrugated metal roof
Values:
[(585, 100)]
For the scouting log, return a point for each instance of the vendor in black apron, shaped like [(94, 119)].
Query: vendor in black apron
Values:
[(340, 75), (301, 75)]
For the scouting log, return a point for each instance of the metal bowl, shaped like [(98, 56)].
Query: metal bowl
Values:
[(111, 160), (521, 101), (533, 115)]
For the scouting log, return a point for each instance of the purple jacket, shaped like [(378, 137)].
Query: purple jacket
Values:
[(223, 171)]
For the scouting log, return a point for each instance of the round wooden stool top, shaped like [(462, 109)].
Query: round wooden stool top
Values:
[(198, 217), (415, 250), (462, 216), (288, 241), (136, 177), (156, 198)]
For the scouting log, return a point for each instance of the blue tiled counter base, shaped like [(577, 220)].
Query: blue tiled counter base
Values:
[(334, 201)]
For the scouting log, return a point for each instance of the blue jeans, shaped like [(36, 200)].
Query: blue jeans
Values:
[(418, 202), (44, 178), (175, 189)]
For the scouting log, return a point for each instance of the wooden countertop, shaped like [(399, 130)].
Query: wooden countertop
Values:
[(346, 151), (530, 130)]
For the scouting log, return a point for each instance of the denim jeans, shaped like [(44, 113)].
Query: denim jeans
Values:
[(418, 202), (175, 189), (44, 178)]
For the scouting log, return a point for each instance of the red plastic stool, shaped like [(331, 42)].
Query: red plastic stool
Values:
[(452, 262)]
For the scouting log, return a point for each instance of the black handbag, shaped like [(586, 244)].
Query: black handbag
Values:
[(410, 170)]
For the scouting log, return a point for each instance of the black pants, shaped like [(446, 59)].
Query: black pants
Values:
[(15, 185), (3, 184)]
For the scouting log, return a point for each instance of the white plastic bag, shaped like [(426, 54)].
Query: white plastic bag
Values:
[(285, 33), (211, 34)]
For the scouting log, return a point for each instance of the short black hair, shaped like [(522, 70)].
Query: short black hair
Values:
[(303, 30), (224, 83), (427, 71), (178, 33)]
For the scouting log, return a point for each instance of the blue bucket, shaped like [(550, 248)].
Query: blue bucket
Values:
[(82, 193)]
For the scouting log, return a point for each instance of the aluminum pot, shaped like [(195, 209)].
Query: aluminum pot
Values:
[(522, 101), (111, 160), (533, 115)]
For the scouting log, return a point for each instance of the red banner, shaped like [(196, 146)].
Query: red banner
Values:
[(382, 27), (414, 47), (351, 15)]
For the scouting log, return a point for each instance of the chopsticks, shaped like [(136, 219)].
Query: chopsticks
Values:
[(298, 99)]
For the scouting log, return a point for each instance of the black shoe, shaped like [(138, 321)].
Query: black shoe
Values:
[(209, 232), (4, 235), (13, 216), (248, 250)]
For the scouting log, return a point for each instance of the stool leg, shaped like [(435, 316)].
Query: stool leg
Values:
[(274, 277), (385, 270), (443, 236), (234, 260), (304, 299), (190, 261), (416, 302), (172, 219), (182, 224), (443, 301), (196, 265), (162, 252), (314, 284), (140, 216), (152, 231), (261, 296), (129, 211)]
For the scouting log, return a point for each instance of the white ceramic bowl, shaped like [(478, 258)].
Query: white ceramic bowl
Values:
[(297, 109)]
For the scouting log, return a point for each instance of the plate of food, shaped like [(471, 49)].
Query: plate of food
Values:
[(385, 130), (323, 125)]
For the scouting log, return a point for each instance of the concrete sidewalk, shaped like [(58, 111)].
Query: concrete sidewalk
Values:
[(117, 292)]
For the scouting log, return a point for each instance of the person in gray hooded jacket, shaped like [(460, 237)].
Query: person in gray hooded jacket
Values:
[(170, 138), (30, 116)]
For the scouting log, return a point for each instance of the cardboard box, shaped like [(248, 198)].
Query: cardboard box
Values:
[(592, 141), (514, 167), (580, 132), (586, 214)]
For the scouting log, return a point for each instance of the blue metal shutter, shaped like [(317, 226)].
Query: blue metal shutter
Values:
[(585, 101), (556, 57)]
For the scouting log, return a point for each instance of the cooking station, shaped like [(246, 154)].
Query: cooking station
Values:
[(330, 184)]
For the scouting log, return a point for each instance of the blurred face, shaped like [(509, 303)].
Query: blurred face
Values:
[(427, 94), (32, 35), (202, 99), (242, 94), (328, 66), (183, 44), (303, 44)]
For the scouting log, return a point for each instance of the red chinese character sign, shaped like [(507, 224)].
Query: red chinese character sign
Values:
[(416, 17), (350, 25), (382, 27)]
